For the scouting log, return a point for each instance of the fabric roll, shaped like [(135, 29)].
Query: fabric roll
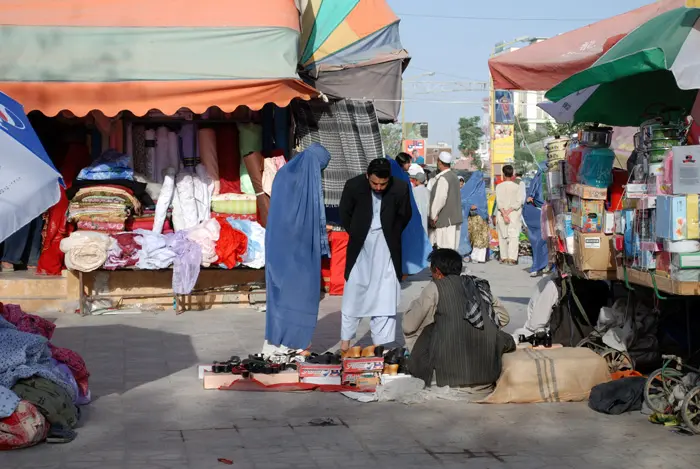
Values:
[(116, 135), (254, 162), (140, 152), (189, 144), (208, 156), (203, 190), (268, 128), (282, 125), (86, 250), (150, 144), (269, 173), (161, 160), (95, 143), (129, 132), (174, 158), (250, 138), (165, 198), (229, 159), (185, 195)]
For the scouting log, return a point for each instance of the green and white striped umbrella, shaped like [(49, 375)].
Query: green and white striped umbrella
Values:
[(653, 71)]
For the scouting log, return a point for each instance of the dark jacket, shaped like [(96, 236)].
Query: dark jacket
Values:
[(356, 217)]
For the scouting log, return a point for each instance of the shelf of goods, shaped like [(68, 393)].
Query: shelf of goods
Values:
[(663, 283)]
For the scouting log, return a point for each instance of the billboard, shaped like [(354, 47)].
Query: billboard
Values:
[(504, 106), (415, 130), (503, 143), (415, 148)]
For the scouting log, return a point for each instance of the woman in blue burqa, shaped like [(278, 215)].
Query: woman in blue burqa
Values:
[(415, 245), (474, 235), (295, 240), (532, 211)]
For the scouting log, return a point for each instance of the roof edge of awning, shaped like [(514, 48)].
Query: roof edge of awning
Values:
[(167, 97), (386, 57)]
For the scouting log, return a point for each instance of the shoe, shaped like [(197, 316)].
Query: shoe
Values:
[(379, 351), (368, 351), (354, 352), (535, 274)]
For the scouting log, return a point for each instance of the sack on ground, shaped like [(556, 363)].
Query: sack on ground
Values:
[(553, 375)]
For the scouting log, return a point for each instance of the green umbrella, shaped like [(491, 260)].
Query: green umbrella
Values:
[(653, 71)]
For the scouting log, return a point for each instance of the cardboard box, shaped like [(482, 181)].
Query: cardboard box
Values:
[(636, 191), (322, 380), (587, 215), (647, 203), (362, 380), (217, 380), (587, 192), (684, 261), (285, 377), (644, 260), (671, 217), (593, 252), (310, 370), (686, 169), (692, 202), (609, 222), (663, 262), (362, 365)]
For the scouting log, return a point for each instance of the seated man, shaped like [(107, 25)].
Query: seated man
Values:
[(540, 307), (457, 324)]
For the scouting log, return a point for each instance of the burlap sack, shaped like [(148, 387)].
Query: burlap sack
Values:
[(554, 375)]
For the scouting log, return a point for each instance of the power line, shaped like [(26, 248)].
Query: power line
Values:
[(495, 18)]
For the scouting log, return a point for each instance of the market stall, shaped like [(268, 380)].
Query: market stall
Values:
[(642, 225), (168, 152)]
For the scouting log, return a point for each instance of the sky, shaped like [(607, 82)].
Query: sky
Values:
[(457, 49)]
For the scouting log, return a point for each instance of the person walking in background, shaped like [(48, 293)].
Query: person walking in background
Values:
[(532, 211), (474, 239), (420, 193), (375, 208), (404, 160), (509, 203), (445, 206)]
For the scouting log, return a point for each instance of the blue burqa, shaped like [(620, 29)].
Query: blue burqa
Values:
[(415, 245), (531, 214), (295, 240), (473, 193)]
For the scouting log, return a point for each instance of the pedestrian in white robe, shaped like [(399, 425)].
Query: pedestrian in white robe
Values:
[(445, 206), (509, 203)]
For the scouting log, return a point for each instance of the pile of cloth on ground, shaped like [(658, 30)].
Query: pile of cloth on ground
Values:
[(41, 386)]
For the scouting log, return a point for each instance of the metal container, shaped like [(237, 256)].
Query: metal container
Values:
[(596, 137), (558, 144), (657, 155), (665, 143)]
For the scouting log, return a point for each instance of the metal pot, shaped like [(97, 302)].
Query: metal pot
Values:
[(665, 143), (596, 137), (558, 144)]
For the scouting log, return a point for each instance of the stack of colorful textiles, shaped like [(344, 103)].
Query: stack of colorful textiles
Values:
[(103, 208), (145, 222), (110, 165)]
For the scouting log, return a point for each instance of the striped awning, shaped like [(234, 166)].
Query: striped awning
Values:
[(136, 55)]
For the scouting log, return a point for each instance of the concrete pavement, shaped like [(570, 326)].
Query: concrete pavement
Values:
[(151, 412)]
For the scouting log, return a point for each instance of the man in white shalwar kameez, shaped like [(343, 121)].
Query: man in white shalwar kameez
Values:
[(373, 289), (445, 206), (509, 203)]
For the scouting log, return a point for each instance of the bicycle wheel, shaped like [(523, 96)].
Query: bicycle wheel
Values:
[(691, 410), (658, 387), (618, 361)]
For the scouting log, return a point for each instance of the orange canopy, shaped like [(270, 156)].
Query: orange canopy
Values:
[(135, 55), (545, 64)]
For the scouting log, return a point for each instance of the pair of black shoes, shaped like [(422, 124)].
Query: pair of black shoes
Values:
[(397, 356), (327, 358)]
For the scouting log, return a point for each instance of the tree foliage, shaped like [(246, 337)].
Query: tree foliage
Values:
[(470, 134), (391, 138)]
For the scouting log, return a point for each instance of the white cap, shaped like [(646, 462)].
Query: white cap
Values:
[(445, 157), (415, 169)]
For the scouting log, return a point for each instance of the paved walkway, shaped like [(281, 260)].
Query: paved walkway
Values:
[(151, 412)]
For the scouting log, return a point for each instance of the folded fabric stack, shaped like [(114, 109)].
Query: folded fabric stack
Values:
[(110, 165), (146, 222), (103, 208), (234, 204), (255, 254)]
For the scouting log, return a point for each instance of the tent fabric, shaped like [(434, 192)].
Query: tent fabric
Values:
[(136, 56), (543, 65), (375, 80), (384, 43)]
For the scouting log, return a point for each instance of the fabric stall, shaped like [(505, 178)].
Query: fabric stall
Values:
[(165, 164)]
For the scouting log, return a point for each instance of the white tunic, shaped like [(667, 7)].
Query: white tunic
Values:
[(372, 289), (446, 237)]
